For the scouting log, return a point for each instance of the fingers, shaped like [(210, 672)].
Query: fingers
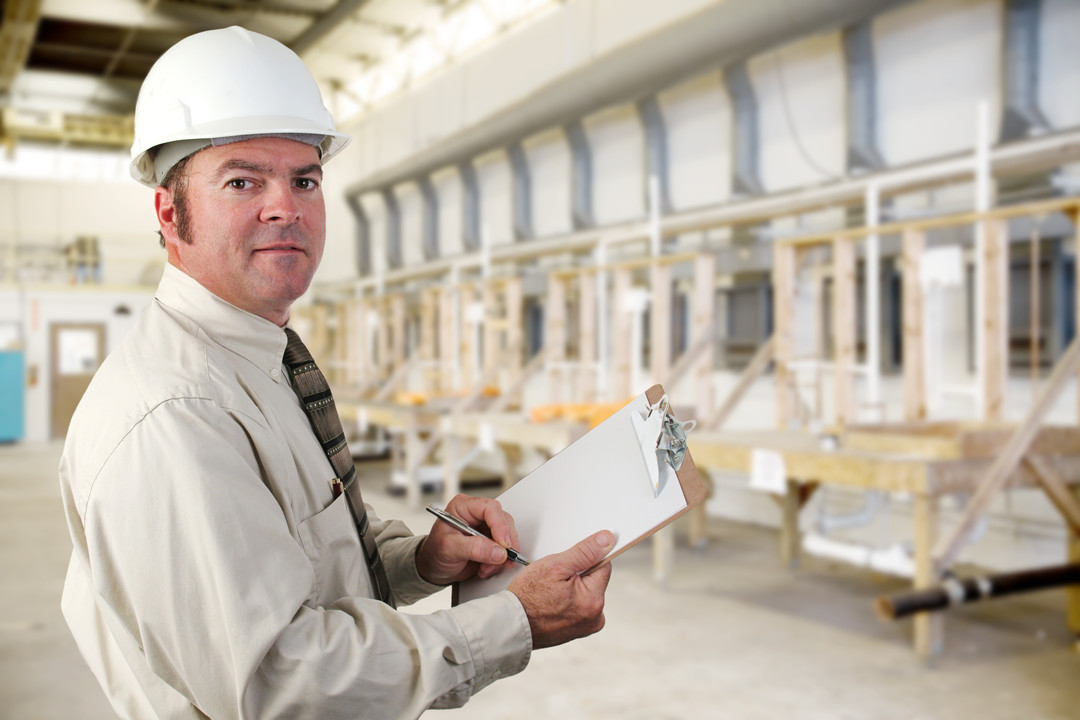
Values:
[(587, 553), (479, 511)]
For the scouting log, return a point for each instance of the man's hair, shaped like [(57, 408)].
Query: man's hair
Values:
[(176, 182)]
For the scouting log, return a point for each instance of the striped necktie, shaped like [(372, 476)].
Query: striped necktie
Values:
[(318, 403)]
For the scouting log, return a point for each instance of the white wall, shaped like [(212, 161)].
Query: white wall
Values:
[(36, 310), (697, 115), (550, 169), (617, 140), (51, 214), (936, 60), (801, 103)]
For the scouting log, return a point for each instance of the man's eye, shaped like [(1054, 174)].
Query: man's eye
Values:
[(306, 184), (238, 183)]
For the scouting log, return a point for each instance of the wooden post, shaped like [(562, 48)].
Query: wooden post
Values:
[(996, 334), (515, 325), (660, 321), (1072, 593), (620, 339), (704, 318), (494, 324), (844, 320), (790, 537), (398, 332), (1073, 214), (783, 274), (929, 627), (1035, 283), (429, 329), (365, 364), (587, 340), (348, 328), (914, 242), (470, 333), (449, 322), (382, 339), (555, 335)]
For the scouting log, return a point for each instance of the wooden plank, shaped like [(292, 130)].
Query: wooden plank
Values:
[(515, 325), (1018, 445), (587, 340), (1066, 205), (790, 537), (843, 327), (1057, 490), (492, 346), (783, 275), (1073, 213), (703, 328), (1072, 593), (660, 322), (449, 327), (929, 627), (622, 332), (555, 337), (750, 374), (996, 318), (913, 243)]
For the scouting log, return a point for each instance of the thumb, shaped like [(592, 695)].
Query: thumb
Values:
[(588, 552)]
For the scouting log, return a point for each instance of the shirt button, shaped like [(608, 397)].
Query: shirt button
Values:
[(275, 373)]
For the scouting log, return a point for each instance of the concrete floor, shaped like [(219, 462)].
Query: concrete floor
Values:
[(733, 635)]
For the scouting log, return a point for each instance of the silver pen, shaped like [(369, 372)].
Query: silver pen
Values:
[(456, 522)]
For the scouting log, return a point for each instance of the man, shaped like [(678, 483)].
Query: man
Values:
[(221, 566)]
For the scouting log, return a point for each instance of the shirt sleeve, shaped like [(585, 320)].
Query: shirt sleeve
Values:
[(193, 552)]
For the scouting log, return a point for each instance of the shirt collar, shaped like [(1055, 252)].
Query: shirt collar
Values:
[(252, 337)]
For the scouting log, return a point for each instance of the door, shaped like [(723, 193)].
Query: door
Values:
[(77, 350)]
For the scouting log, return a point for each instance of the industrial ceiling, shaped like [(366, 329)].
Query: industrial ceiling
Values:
[(70, 70)]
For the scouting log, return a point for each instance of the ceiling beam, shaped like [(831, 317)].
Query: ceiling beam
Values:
[(326, 24), (18, 25)]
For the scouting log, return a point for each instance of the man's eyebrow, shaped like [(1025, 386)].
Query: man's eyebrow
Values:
[(245, 165), (258, 169), (312, 169)]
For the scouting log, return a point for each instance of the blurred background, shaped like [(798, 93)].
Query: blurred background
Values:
[(841, 233)]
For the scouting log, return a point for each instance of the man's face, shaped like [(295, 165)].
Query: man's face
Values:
[(256, 223)]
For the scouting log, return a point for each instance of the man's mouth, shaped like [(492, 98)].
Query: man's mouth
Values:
[(275, 249)]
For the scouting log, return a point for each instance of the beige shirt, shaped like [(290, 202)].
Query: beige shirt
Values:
[(213, 573)]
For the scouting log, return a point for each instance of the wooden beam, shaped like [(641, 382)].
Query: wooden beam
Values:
[(622, 332), (996, 318), (751, 373), (703, 328), (929, 627), (843, 327), (660, 322), (587, 340), (913, 244), (1011, 455), (555, 336), (783, 275), (1056, 489)]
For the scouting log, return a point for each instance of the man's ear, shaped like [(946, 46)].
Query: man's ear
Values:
[(166, 214)]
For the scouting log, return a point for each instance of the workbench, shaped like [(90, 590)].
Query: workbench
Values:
[(925, 460)]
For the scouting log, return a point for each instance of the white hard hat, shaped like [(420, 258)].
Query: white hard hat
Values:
[(228, 85)]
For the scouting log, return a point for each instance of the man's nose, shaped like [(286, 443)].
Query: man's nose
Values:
[(280, 204)]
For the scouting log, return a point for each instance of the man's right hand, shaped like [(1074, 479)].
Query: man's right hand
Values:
[(561, 604)]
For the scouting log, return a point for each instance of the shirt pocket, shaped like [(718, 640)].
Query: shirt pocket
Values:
[(332, 545)]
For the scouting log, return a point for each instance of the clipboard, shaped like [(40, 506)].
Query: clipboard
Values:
[(601, 481)]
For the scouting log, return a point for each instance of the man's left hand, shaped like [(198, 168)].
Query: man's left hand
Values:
[(448, 555)]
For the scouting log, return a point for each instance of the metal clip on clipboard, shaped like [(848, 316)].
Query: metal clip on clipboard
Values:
[(662, 438)]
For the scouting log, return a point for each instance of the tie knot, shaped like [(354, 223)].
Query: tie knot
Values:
[(296, 353)]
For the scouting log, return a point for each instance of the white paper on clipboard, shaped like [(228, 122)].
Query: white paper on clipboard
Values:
[(599, 482)]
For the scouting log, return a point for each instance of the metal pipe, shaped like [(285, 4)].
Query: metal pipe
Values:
[(954, 591)]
